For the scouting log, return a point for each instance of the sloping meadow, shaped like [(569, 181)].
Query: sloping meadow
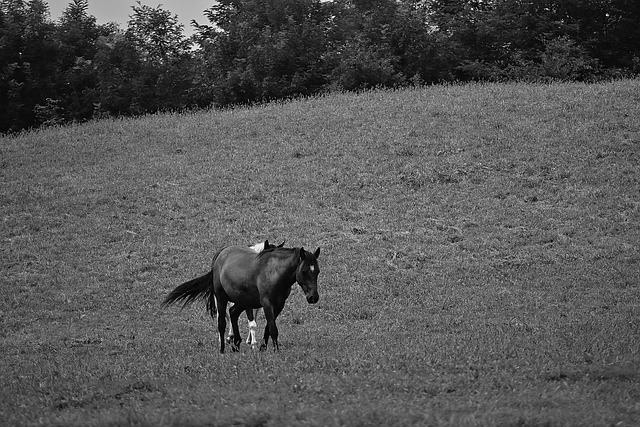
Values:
[(479, 266)]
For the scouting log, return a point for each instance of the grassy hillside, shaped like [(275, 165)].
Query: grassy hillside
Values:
[(480, 261)]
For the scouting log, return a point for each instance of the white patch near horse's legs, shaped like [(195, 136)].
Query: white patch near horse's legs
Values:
[(220, 334), (215, 303), (230, 333), (251, 339)]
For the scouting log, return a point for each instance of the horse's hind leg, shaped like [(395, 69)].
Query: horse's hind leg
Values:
[(221, 306), (229, 338), (234, 313)]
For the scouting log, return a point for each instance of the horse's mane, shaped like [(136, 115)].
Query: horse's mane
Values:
[(265, 251)]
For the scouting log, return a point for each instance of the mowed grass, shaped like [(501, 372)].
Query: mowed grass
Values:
[(480, 261)]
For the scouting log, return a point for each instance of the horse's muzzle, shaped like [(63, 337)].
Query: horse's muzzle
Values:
[(312, 299)]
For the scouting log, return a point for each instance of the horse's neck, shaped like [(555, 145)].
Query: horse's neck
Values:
[(290, 265)]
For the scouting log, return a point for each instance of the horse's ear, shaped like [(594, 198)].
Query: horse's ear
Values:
[(281, 244), (317, 253), (302, 255), (266, 244)]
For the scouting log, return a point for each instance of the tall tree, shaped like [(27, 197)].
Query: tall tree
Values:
[(27, 62), (166, 71), (156, 33), (77, 38), (119, 68), (77, 33)]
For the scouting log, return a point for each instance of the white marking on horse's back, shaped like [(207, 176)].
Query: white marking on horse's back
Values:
[(258, 247)]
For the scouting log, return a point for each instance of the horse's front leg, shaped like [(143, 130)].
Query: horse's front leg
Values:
[(270, 330)]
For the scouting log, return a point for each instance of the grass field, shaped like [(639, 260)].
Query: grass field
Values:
[(480, 261)]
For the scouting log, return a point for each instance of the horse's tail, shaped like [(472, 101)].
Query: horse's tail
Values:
[(188, 292)]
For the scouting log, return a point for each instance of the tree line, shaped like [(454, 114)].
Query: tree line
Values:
[(74, 69)]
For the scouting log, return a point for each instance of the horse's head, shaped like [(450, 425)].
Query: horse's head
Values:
[(307, 274)]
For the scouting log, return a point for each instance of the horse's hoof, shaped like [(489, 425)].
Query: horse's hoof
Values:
[(263, 347)]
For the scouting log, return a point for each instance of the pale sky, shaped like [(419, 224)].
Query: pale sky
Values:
[(119, 10)]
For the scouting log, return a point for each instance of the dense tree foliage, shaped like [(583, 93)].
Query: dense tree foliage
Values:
[(261, 50), (75, 69)]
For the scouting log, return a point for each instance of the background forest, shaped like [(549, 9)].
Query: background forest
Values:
[(75, 69)]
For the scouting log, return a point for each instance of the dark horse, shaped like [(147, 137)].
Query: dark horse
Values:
[(252, 314), (251, 280)]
